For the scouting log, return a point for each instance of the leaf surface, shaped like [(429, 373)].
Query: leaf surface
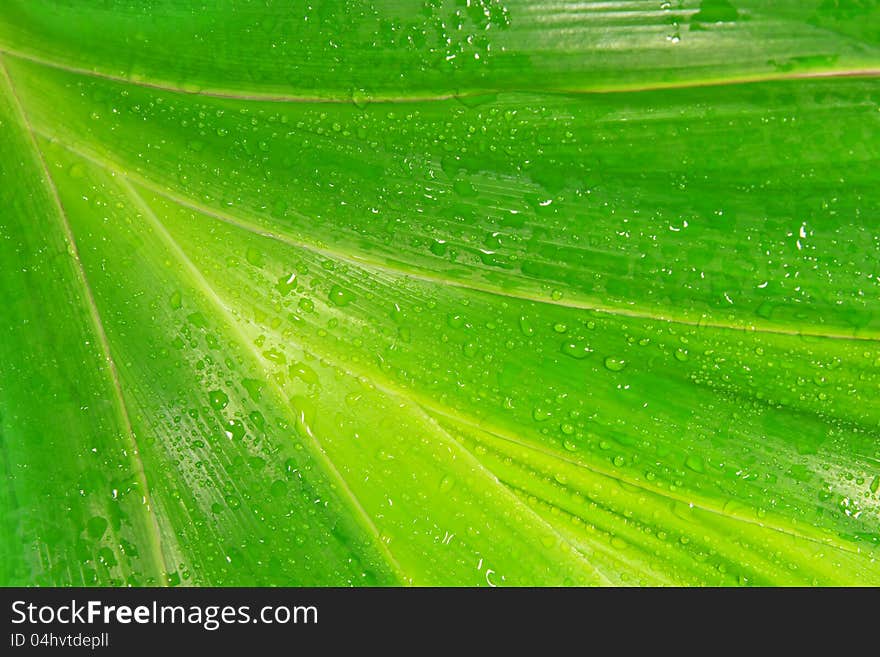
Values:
[(326, 299)]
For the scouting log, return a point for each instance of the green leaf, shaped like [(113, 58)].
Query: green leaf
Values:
[(463, 294)]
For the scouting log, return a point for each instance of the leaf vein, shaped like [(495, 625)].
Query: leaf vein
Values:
[(232, 94), (214, 297), (427, 276), (119, 398)]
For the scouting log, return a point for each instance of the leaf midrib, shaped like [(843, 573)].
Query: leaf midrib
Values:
[(399, 269), (317, 448), (259, 96)]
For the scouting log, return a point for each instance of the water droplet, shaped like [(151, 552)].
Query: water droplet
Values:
[(695, 463), (275, 356), (257, 419), (197, 319), (339, 296), (681, 355), (360, 98), (615, 364), (218, 399), (106, 556), (526, 326), (235, 429), (306, 411), (577, 349), (277, 488), (254, 257), (541, 414), (303, 372), (176, 300), (96, 526), (455, 321), (286, 284), (446, 483)]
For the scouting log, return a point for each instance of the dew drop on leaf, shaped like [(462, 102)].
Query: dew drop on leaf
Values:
[(340, 296), (695, 463), (540, 414), (578, 350), (218, 399), (615, 364), (455, 321), (257, 419), (235, 429), (96, 526), (254, 257), (304, 373)]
